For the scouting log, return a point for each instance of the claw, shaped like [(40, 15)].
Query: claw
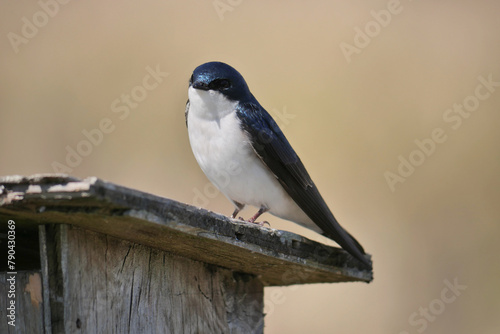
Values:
[(262, 223)]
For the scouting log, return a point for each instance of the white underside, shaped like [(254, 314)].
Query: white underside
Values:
[(227, 158)]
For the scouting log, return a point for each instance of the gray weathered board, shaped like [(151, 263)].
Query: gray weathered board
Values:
[(94, 257), (276, 257)]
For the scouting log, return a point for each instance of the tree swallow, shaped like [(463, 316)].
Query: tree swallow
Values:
[(243, 152)]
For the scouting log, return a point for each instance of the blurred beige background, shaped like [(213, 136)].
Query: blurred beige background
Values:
[(350, 118)]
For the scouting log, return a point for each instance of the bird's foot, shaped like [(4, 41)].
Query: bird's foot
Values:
[(262, 223), (254, 217), (250, 221), (238, 208)]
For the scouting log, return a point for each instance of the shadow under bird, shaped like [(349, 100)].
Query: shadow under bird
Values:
[(243, 152)]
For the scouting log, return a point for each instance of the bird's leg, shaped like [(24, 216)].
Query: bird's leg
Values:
[(239, 207), (257, 215)]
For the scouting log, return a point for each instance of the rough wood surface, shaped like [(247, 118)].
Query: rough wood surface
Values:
[(275, 257), (44, 262), (29, 308), (101, 284)]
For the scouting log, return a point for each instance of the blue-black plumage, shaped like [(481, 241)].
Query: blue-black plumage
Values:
[(245, 154)]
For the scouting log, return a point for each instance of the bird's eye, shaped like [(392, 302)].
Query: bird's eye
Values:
[(225, 84), (220, 84)]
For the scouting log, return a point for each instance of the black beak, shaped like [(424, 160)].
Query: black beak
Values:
[(199, 85)]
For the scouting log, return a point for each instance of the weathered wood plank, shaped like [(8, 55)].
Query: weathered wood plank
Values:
[(44, 262), (28, 306), (276, 257), (107, 285)]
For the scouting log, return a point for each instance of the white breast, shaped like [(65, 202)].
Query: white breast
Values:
[(227, 158)]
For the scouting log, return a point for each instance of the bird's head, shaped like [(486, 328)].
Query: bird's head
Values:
[(218, 78)]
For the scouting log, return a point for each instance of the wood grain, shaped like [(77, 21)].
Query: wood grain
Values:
[(109, 285), (29, 303), (276, 257)]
